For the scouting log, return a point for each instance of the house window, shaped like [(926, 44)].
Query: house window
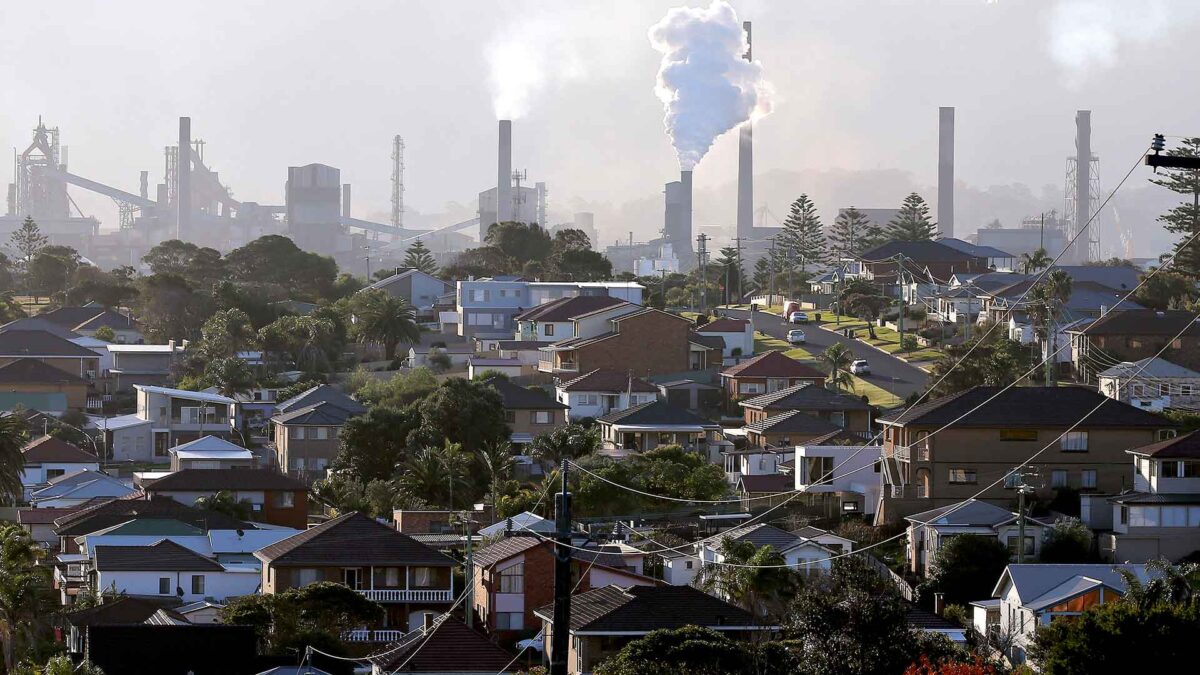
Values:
[(750, 388), (689, 564), (1012, 481), (1075, 441), (1124, 515), (510, 416), (549, 329), (540, 417), (285, 500), (838, 417), (1058, 478), (164, 585), (1185, 390), (296, 432), (512, 579), (963, 477), (322, 433), (1012, 545), (1143, 516), (307, 576), (422, 577), (51, 474), (1164, 389), (1087, 479), (1174, 516), (510, 621), (197, 584), (1138, 390), (1177, 344), (1018, 434)]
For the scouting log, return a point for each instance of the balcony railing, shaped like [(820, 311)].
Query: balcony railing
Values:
[(408, 595), (69, 576), (918, 452), (372, 635)]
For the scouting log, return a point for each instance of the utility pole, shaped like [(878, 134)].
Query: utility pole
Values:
[(1023, 488), (771, 274), (470, 572), (903, 303), (701, 256), (663, 272), (740, 295), (560, 638)]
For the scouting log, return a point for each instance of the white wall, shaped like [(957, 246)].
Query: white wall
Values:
[(217, 585), (580, 409), (135, 444)]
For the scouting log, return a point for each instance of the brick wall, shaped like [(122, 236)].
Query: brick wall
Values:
[(653, 343)]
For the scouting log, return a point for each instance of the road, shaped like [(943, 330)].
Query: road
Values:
[(887, 371)]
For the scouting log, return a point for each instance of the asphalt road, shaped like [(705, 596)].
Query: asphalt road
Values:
[(887, 371)]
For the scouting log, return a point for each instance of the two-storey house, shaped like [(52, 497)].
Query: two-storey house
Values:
[(1152, 383), (486, 307), (881, 264), (1133, 335), (843, 411), (47, 458), (177, 416), (169, 570), (767, 373), (736, 334), (419, 289), (556, 320), (528, 412), (837, 473), (307, 427), (408, 578), (602, 391), (134, 364), (36, 377), (273, 497), (51, 350), (645, 342), (982, 433)]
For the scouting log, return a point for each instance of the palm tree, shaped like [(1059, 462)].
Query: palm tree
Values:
[(1173, 584), (758, 584), (838, 358), (222, 501), (23, 591), (1046, 302), (567, 442), (1032, 262), (232, 376), (379, 317), (423, 475), (498, 461), (12, 461)]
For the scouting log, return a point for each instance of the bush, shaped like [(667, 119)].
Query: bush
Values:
[(1068, 541), (439, 362), (917, 313), (909, 344)]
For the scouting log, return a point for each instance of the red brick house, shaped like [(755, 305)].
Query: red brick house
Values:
[(645, 342), (766, 373), (274, 498)]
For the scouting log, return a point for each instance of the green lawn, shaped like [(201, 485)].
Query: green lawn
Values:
[(766, 343), (876, 396), (885, 338)]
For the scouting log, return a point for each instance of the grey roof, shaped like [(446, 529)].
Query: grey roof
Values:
[(1169, 322), (108, 317), (974, 249), (1035, 582), (351, 539), (505, 548), (520, 522), (793, 421), (69, 317), (805, 396), (657, 412), (602, 379), (17, 343), (322, 393), (762, 534), (647, 608), (1150, 366), (39, 323), (971, 513), (1028, 407), (322, 413), (164, 556), (925, 251), (1120, 278), (1156, 498), (516, 397)]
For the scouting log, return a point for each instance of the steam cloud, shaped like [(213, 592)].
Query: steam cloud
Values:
[(523, 61), (705, 84), (1086, 36)]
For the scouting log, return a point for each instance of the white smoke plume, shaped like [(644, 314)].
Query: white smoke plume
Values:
[(1088, 36), (705, 84), (525, 59)]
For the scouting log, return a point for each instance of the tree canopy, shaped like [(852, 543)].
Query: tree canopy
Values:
[(912, 223)]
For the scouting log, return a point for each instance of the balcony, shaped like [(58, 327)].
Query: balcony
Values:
[(917, 452), (409, 595), (372, 635)]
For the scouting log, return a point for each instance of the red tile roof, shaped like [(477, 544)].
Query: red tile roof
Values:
[(51, 449), (772, 364)]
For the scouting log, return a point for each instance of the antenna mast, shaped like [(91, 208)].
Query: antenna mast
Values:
[(397, 181)]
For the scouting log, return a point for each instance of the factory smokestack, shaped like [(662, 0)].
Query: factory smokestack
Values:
[(945, 205), (504, 200), (685, 227), (183, 179), (345, 200), (745, 195), (1083, 170)]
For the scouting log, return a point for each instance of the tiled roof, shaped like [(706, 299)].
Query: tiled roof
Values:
[(1145, 322), (37, 323), (926, 251), (566, 309), (839, 437), (323, 413), (107, 514), (1185, 446), (1157, 498), (165, 556), (919, 618), (452, 648), (51, 449), (505, 548), (44, 515), (762, 534), (120, 612), (793, 421), (646, 608), (32, 371), (516, 397), (603, 379), (108, 317), (655, 413), (352, 539), (805, 396), (766, 483), (69, 317), (322, 393), (710, 341), (1028, 407), (18, 343), (724, 325), (772, 364), (1149, 367), (201, 480), (974, 249)]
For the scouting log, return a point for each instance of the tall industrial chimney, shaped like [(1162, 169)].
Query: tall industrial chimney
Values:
[(684, 244), (345, 200), (504, 199), (745, 195), (1083, 193), (945, 210), (183, 180)]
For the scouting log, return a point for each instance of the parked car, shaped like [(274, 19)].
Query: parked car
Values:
[(796, 337), (860, 367), (798, 317)]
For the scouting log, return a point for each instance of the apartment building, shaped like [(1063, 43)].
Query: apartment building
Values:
[(486, 307)]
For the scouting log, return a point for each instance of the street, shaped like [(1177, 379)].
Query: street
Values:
[(887, 371)]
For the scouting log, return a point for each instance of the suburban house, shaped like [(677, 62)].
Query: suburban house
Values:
[(47, 458), (1152, 384), (256, 408), (87, 319), (1133, 335), (807, 551), (103, 514), (754, 461), (557, 320), (128, 438), (1088, 300), (415, 287), (177, 416), (81, 487), (168, 569), (458, 355), (447, 646), (649, 425), (307, 427), (602, 391), (934, 259), (737, 335), (134, 364), (705, 351), (529, 413), (998, 260), (274, 498), (39, 523), (767, 373), (842, 410), (838, 475), (409, 579), (51, 350), (921, 472), (963, 298), (604, 620), (645, 342), (515, 575), (1032, 595), (1160, 517), (34, 376), (478, 367), (763, 490), (785, 429), (929, 530), (486, 307), (210, 452)]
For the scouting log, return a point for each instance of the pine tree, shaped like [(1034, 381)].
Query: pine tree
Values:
[(419, 257), (26, 242), (762, 273), (912, 223), (732, 272), (1185, 218), (803, 236), (848, 236)]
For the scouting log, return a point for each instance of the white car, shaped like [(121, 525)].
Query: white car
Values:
[(860, 367), (796, 337), (798, 317), (534, 643)]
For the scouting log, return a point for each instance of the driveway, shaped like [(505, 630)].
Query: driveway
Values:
[(887, 371)]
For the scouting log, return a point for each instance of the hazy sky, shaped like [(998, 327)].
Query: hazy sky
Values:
[(857, 85)]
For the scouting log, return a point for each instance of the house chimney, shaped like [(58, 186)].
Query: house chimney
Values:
[(939, 603)]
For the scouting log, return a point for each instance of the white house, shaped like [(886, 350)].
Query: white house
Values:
[(458, 354), (48, 458), (1033, 595), (1152, 384), (804, 554), (128, 438), (845, 476), (177, 416), (421, 290), (167, 569), (754, 461), (76, 488), (602, 391), (929, 530), (210, 452), (738, 335), (509, 367)]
